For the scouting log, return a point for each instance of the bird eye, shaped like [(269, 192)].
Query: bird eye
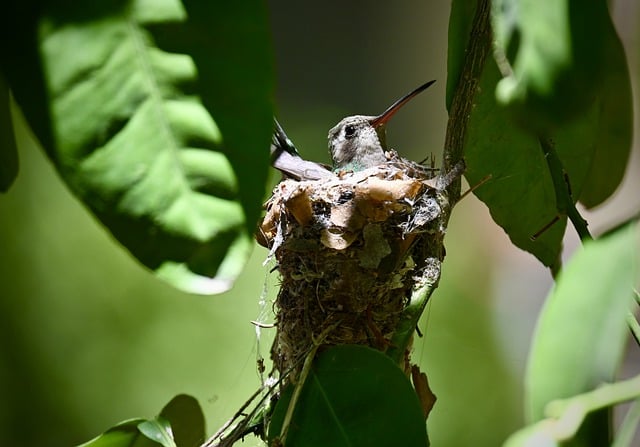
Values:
[(349, 131)]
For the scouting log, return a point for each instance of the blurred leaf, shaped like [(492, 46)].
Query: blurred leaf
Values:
[(133, 90), (8, 150), (555, 54), (581, 333), (566, 63), (158, 430), (180, 424), (614, 124), (125, 434), (354, 395), (626, 433), (534, 435), (187, 420)]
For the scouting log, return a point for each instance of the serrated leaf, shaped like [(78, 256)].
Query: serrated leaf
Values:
[(8, 150), (354, 396), (133, 89), (187, 420), (581, 333), (124, 434)]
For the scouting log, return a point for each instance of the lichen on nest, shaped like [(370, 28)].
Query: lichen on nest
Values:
[(350, 249)]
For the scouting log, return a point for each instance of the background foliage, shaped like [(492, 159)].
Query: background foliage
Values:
[(90, 338)]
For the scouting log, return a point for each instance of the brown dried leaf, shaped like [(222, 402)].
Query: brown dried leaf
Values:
[(389, 190), (336, 238), (425, 395)]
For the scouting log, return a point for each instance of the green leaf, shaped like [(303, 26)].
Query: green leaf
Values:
[(187, 420), (565, 62), (125, 434), (161, 122), (158, 430), (8, 150), (180, 424), (555, 52), (520, 193), (614, 124), (564, 59), (541, 48), (354, 396), (535, 435), (580, 337)]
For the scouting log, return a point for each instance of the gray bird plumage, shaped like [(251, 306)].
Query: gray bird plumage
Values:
[(285, 158), (355, 144), (358, 142)]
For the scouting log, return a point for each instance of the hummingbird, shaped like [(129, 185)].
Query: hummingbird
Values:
[(286, 158), (358, 142)]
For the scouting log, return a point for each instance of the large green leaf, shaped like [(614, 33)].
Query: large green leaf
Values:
[(581, 333), (161, 121), (519, 193), (555, 52), (354, 396), (563, 61), (614, 136), (522, 193)]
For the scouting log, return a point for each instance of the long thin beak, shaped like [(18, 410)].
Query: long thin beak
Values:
[(385, 116)]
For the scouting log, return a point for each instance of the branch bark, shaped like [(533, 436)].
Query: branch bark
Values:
[(476, 52)]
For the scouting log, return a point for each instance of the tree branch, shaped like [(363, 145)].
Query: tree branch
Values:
[(476, 52)]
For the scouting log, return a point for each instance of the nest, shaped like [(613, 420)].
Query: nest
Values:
[(350, 249)]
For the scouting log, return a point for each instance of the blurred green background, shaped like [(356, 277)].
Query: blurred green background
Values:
[(90, 338)]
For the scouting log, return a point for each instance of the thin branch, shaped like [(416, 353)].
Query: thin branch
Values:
[(569, 413), (634, 327), (410, 317), (565, 416), (478, 47), (564, 201)]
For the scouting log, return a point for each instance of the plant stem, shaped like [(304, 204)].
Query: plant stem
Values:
[(569, 413), (410, 317), (633, 326), (564, 201)]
